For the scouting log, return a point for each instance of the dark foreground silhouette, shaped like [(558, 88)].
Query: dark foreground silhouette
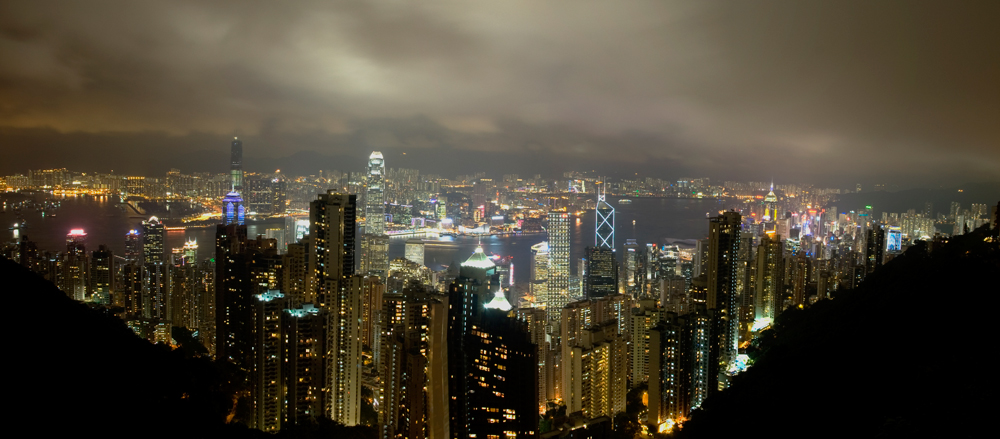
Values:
[(81, 372), (906, 354)]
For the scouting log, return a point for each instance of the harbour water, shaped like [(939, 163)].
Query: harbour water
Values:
[(647, 220)]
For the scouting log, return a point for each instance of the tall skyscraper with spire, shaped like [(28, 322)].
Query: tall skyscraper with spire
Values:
[(236, 165), (375, 243), (602, 265), (375, 195), (605, 233), (770, 210)]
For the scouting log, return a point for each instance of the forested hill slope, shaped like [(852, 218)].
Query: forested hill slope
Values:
[(909, 353)]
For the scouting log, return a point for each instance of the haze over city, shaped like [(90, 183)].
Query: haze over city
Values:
[(820, 92)]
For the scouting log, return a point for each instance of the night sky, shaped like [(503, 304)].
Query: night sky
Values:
[(811, 91)]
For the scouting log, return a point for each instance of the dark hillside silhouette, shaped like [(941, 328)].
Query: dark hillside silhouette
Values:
[(906, 354)]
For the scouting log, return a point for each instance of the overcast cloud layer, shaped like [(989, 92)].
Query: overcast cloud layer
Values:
[(815, 90)]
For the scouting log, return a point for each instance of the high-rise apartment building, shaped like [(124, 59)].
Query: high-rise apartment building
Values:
[(304, 369), (102, 275), (267, 389), (295, 276), (155, 279), (413, 364), (133, 247), (75, 266), (375, 255), (244, 268), (679, 366), (594, 361), (769, 284), (372, 293), (344, 354), (643, 319), (536, 322), (332, 232), (875, 248), (723, 252)]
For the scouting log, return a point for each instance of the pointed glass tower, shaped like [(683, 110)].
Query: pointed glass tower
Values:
[(605, 233)]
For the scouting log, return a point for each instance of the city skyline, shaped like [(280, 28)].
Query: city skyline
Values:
[(304, 219)]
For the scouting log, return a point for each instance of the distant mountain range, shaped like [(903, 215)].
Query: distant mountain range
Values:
[(900, 202)]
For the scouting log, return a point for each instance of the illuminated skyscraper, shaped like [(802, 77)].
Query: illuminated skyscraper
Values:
[(723, 252), (248, 311), (594, 362), (602, 272), (643, 319), (305, 338), (75, 265), (332, 232), (605, 233), (128, 294), (770, 279), (875, 247), (267, 391), (375, 195), (233, 210), (770, 209), (279, 193), (678, 365), (133, 247), (557, 290), (413, 364), (102, 275), (236, 165), (375, 255), (535, 320), (372, 291), (414, 250), (632, 278), (155, 282), (343, 352), (375, 243), (490, 395)]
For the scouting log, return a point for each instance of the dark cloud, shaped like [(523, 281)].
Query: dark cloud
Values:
[(819, 90)]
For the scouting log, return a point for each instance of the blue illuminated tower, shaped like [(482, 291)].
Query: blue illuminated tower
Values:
[(605, 233), (232, 209), (602, 266)]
